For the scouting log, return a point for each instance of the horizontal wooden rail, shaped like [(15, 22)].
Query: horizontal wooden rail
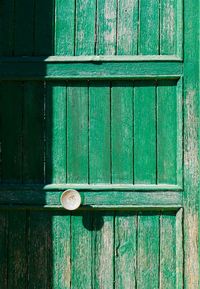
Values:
[(92, 58), (95, 199), (24, 68), (91, 187)]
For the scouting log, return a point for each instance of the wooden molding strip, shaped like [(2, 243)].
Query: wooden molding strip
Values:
[(92, 58), (95, 199), (91, 187), (40, 70)]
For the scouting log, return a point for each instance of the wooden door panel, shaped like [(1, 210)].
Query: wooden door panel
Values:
[(94, 132), (22, 132), (91, 98), (82, 27), (91, 249)]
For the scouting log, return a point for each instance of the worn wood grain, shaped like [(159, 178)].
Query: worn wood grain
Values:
[(144, 132), (148, 253), (77, 132), (179, 249), (106, 27), (149, 27), (81, 265), (191, 147), (167, 132), (85, 27), (56, 132), (61, 249), (99, 133), (168, 251), (127, 27), (125, 250), (103, 250), (168, 33), (122, 132), (180, 30), (64, 29)]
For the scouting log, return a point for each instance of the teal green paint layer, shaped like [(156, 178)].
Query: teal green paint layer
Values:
[(56, 249), (84, 27), (56, 132), (99, 133)]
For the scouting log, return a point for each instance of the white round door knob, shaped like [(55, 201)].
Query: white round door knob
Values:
[(70, 200)]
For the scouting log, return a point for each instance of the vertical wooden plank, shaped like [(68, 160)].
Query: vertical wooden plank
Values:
[(149, 27), (122, 132), (81, 259), (11, 120), (125, 251), (179, 29), (191, 198), (33, 132), (44, 28), (56, 128), (85, 27), (167, 132), (168, 27), (99, 132), (180, 132), (3, 249), (106, 27), (64, 27), (17, 265), (24, 27), (179, 249), (61, 250), (6, 27), (127, 27), (168, 251), (148, 251), (77, 132), (103, 246), (145, 132), (39, 250)]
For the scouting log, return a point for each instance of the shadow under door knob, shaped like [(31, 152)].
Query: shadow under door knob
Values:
[(70, 200)]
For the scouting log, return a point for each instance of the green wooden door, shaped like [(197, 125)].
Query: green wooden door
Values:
[(102, 97)]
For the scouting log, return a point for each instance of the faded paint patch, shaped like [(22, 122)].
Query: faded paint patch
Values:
[(191, 251), (169, 22), (191, 140)]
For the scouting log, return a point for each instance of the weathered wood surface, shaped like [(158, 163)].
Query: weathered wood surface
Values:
[(85, 27), (117, 133), (81, 258), (191, 147), (40, 70), (94, 198), (77, 133), (55, 127), (99, 133), (92, 93), (54, 249)]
